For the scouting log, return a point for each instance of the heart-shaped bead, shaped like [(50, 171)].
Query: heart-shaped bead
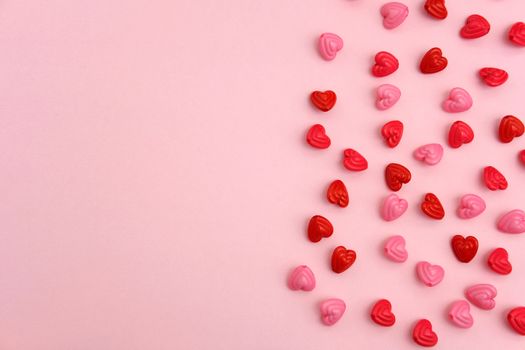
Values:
[(302, 278), (432, 207), (394, 13), (458, 100), (430, 275), (396, 175), (459, 314), (342, 259), (430, 154), (509, 128), (319, 227), (512, 222), (354, 161), (475, 27), (471, 206), (337, 193), (392, 133), (460, 133), (332, 310), (393, 207), (494, 180), (423, 334), (323, 100), (516, 319), (521, 157), (385, 64), (498, 261), (517, 33), (395, 249), (493, 76), (464, 248), (436, 8), (316, 137), (482, 296), (433, 61), (382, 313), (329, 45), (387, 96)]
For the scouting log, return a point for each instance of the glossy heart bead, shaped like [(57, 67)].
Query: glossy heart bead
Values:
[(482, 296), (302, 278), (521, 157), (382, 313), (395, 249), (493, 76), (393, 207), (460, 133), (385, 64), (517, 33), (512, 222), (323, 100), (471, 206), (354, 161), (494, 180), (396, 175), (430, 154), (316, 137), (433, 61), (429, 274), (332, 310), (516, 319), (432, 207), (458, 100), (386, 96), (392, 133), (394, 13), (329, 45), (342, 259), (498, 261), (459, 314), (464, 249), (423, 334), (337, 193), (509, 128), (319, 227), (436, 8), (475, 27)]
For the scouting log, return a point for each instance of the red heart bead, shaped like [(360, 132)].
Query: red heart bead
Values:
[(493, 76), (516, 319), (517, 33), (475, 26), (337, 193), (432, 207), (396, 175), (317, 137), (459, 134), (423, 333), (385, 64), (521, 156), (436, 8), (464, 249), (509, 128), (323, 100), (433, 61), (354, 161), (342, 259), (499, 262), (319, 227), (392, 133), (382, 313), (494, 180)]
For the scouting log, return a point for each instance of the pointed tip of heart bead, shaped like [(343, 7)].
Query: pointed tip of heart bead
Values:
[(302, 278), (332, 310), (459, 314), (459, 100), (512, 222), (329, 45), (394, 13)]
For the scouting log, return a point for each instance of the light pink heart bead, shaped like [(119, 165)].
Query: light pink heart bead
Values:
[(387, 96), (471, 206), (429, 274), (302, 278), (395, 249), (393, 207), (459, 100), (482, 296), (430, 154), (332, 310), (459, 314), (394, 13), (329, 45), (512, 222)]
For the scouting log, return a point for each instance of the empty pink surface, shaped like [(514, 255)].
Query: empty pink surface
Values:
[(155, 184)]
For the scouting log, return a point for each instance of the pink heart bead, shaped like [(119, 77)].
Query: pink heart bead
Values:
[(329, 45), (332, 310), (429, 274), (394, 13), (302, 278), (482, 296), (458, 100), (395, 249), (459, 314), (393, 207), (387, 96), (471, 206), (430, 154), (512, 222)]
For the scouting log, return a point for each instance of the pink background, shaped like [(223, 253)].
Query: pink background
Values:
[(155, 184)]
